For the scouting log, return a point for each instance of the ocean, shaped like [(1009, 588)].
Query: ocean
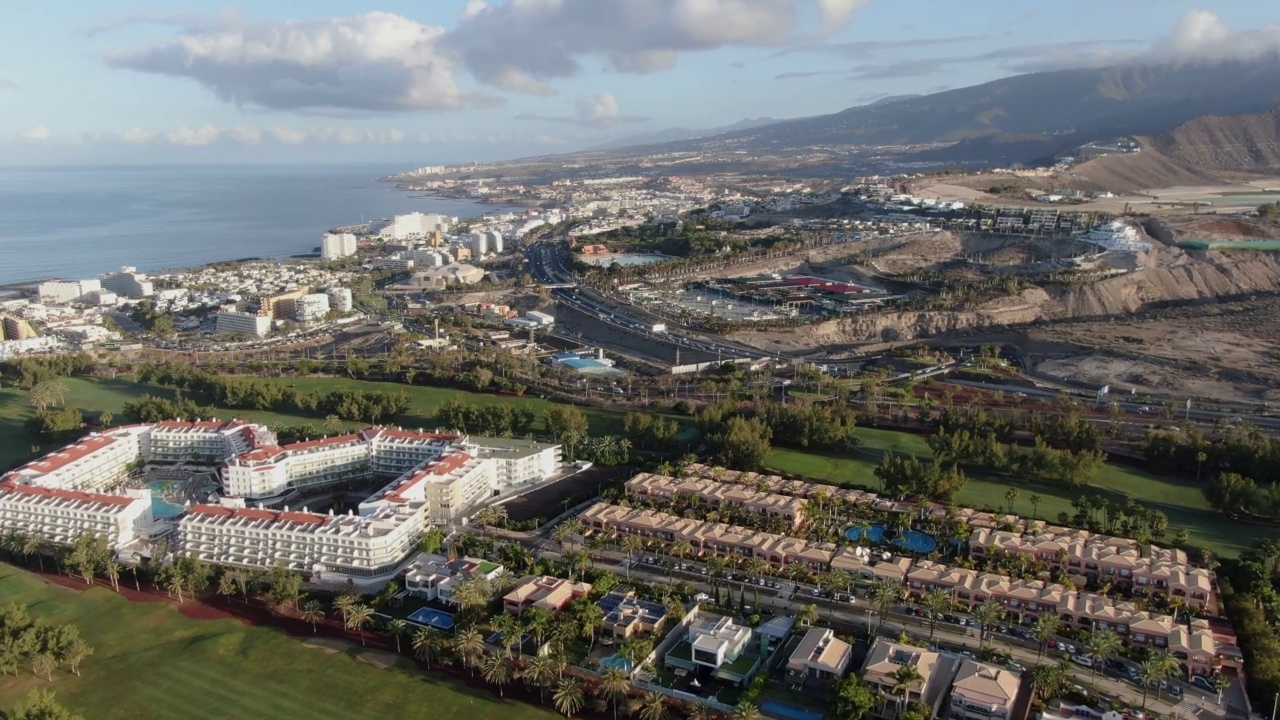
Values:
[(80, 222)]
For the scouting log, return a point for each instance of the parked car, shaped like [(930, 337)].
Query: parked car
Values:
[(1203, 683), (1082, 660)]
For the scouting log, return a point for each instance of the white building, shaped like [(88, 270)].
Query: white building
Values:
[(479, 244), (207, 441), (94, 463), (540, 318), (128, 283), (340, 299), (311, 308), (1116, 236), (416, 224), (60, 292), (495, 241), (515, 462), (450, 486), (335, 246), (434, 577), (62, 516), (241, 323), (345, 546)]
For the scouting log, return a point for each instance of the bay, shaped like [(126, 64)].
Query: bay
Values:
[(80, 222)]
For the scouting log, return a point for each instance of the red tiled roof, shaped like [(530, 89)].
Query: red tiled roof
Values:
[(322, 442), (70, 453), (259, 514), (412, 434), (442, 466), (74, 495)]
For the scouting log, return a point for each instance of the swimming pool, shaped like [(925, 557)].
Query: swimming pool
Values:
[(617, 661), (773, 708), (160, 507), (433, 618), (912, 540)]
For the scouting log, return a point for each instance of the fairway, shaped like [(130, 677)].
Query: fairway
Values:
[(1181, 500), (151, 662)]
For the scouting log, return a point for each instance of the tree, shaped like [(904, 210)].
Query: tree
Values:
[(1044, 628), (742, 444), (653, 706), (431, 540), (496, 670), (397, 629), (74, 652), (614, 684), (568, 697), (808, 615), (1035, 501), (426, 644), (903, 678), (987, 615), (357, 617), (854, 699), (568, 425), (937, 602), (1010, 496), (885, 595), (312, 612), (42, 705), (469, 645), (541, 671), (632, 544), (1099, 646), (745, 710)]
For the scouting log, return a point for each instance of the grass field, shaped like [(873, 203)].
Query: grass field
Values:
[(151, 662), (96, 396), (1181, 500)]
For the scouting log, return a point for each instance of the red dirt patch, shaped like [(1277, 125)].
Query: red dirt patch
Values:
[(197, 610)]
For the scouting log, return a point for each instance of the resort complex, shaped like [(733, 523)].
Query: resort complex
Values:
[(250, 517)]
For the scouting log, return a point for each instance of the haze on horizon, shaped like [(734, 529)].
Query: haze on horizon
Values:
[(415, 83)]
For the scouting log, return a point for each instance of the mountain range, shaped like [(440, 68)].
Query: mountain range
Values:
[(677, 134), (1024, 117)]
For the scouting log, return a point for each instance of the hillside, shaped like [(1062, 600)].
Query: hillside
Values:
[(1242, 142), (1026, 117)]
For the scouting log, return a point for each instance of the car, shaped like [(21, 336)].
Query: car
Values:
[(1203, 683), (1173, 689), (1082, 660), (969, 654), (1016, 667)]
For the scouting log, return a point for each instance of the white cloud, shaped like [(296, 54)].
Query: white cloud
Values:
[(380, 62), (372, 62), (135, 136), (600, 111), (287, 136), (193, 137), (246, 135), (37, 134), (1203, 36)]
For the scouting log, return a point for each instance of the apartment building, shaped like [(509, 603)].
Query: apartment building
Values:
[(1142, 569), (714, 493), (543, 591), (361, 547), (59, 292), (395, 451), (820, 656), (982, 691), (231, 322), (128, 283), (516, 462), (454, 485), (335, 246), (206, 441), (272, 470), (61, 516), (94, 463)]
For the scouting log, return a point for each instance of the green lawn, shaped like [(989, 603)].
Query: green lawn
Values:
[(1181, 500), (151, 662), (94, 396)]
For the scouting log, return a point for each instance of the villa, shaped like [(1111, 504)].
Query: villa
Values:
[(716, 645), (819, 656), (548, 593), (982, 691), (435, 577)]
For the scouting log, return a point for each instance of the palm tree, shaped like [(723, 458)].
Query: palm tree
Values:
[(756, 569), (344, 603), (496, 670), (1100, 646), (1011, 495), (1149, 671), (746, 711), (568, 697), (653, 706), (1035, 505), (903, 678), (885, 595), (397, 629), (808, 615), (1045, 627), (540, 671), (935, 603), (614, 684), (590, 619), (1045, 680), (632, 544), (470, 646), (1166, 665), (112, 570), (313, 612), (987, 615), (34, 544), (426, 644), (701, 711), (357, 617)]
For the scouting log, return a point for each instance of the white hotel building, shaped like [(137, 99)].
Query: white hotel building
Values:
[(61, 516)]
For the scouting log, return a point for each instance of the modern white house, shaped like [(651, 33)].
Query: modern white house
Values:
[(434, 577)]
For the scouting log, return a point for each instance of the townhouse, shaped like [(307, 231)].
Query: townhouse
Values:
[(61, 516), (981, 691), (1200, 647), (1140, 569), (328, 547), (879, 670), (819, 656), (716, 494)]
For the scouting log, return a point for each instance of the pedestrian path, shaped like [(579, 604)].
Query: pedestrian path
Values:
[(1187, 709)]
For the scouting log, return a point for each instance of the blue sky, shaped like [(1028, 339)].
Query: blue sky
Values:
[(442, 81)]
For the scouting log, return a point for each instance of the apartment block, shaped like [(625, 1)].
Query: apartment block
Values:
[(516, 462), (716, 494), (61, 516), (241, 323)]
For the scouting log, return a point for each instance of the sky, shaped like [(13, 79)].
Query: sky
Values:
[(449, 81)]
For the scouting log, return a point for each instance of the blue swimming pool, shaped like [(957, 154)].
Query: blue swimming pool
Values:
[(160, 507), (431, 617), (912, 540), (776, 709), (616, 661)]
